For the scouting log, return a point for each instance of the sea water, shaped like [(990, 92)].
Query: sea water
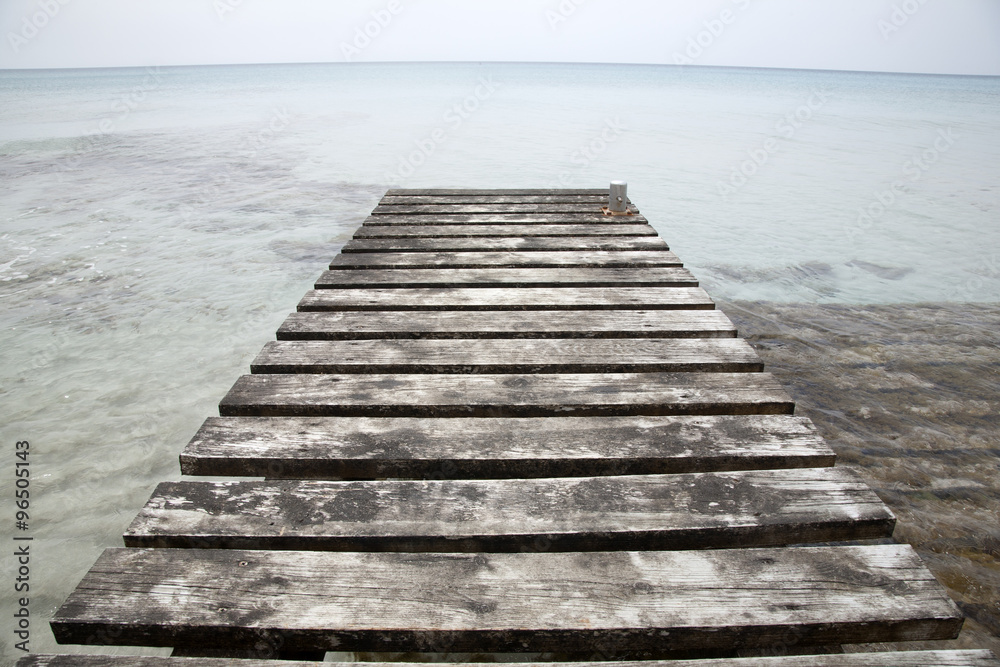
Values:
[(157, 224)]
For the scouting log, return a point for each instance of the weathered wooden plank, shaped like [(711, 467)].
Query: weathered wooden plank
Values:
[(435, 209), (513, 395), (622, 600), (444, 324), (561, 277), (89, 660), (599, 199), (523, 244), (492, 192), (534, 259), (498, 231), (520, 298), (547, 355), (633, 512), (947, 658), (455, 219), (490, 448)]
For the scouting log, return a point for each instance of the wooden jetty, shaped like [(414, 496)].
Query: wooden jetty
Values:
[(504, 421)]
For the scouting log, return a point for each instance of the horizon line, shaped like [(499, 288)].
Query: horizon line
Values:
[(495, 62)]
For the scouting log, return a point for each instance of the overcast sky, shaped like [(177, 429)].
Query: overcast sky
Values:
[(934, 36)]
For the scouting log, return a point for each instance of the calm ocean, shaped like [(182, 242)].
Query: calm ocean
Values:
[(156, 225)]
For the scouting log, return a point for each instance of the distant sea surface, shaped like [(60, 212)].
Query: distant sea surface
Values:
[(156, 225)]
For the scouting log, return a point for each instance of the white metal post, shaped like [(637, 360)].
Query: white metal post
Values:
[(617, 197)]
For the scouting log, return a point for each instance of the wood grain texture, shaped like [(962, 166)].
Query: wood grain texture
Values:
[(623, 600), (644, 512), (491, 560), (484, 448), (446, 324), (595, 218), (549, 355), (944, 658), (519, 298), (84, 660), (514, 395), (434, 209), (561, 277), (512, 260), (498, 231), (523, 244), (493, 192), (947, 658), (599, 199)]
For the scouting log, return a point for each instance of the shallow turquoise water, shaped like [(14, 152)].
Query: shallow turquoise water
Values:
[(157, 225)]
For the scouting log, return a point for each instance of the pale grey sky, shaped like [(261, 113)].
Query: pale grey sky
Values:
[(933, 36)]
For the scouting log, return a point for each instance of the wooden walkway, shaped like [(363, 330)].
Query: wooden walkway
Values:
[(503, 421)]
